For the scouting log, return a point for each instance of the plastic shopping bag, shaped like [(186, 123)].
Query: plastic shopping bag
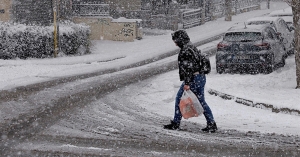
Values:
[(189, 105), (196, 102)]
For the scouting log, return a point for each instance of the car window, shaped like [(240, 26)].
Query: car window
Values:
[(268, 34), (272, 31), (274, 27), (258, 22), (283, 15), (283, 26), (262, 23), (242, 36)]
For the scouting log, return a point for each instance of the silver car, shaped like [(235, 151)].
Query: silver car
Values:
[(250, 49), (286, 14), (285, 32)]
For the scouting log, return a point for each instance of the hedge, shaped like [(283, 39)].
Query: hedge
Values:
[(23, 41)]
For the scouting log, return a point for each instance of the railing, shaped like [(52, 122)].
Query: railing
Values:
[(214, 9), (91, 9), (218, 6), (191, 18), (245, 3)]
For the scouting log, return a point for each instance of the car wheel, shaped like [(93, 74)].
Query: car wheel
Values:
[(270, 65), (282, 63), (269, 70), (292, 51), (220, 70), (293, 48)]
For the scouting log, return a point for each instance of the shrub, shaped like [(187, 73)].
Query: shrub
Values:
[(23, 41)]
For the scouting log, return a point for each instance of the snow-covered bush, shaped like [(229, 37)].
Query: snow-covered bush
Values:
[(23, 41), (74, 38)]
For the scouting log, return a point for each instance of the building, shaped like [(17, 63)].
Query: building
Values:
[(5, 10), (105, 18), (115, 5), (31, 12)]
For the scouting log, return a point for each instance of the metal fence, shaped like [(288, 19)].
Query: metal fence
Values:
[(91, 9), (238, 6), (215, 9), (171, 17), (191, 18), (162, 22)]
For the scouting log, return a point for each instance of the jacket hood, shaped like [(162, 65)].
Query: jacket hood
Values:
[(180, 37)]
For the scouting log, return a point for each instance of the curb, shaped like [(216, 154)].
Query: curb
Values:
[(251, 103)]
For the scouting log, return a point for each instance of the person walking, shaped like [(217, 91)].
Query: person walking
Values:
[(193, 78)]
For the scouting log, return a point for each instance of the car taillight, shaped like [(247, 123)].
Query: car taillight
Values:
[(221, 45), (264, 45)]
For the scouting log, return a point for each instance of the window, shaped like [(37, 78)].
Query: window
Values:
[(272, 31), (268, 34), (242, 36), (258, 22), (283, 26)]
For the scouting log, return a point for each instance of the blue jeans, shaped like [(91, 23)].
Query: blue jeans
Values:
[(197, 87)]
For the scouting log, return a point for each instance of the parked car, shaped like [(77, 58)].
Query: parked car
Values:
[(286, 14), (282, 30), (250, 48)]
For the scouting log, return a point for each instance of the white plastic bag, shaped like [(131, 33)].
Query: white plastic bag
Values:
[(196, 102), (190, 105)]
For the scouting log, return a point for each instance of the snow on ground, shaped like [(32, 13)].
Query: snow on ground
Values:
[(276, 88), (158, 96)]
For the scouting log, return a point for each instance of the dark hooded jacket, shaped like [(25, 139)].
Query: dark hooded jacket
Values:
[(187, 61)]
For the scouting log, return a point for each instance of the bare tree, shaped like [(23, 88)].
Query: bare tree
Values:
[(295, 4)]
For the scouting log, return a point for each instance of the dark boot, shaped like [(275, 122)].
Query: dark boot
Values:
[(211, 127), (172, 126)]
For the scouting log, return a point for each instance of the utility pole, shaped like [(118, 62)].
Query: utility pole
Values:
[(268, 4), (54, 6), (228, 10), (203, 12)]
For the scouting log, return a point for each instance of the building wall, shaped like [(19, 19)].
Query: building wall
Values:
[(33, 12), (5, 6), (109, 29), (128, 5)]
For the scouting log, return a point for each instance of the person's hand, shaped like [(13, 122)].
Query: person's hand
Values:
[(186, 87)]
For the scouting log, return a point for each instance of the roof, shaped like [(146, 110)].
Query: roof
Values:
[(284, 12)]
